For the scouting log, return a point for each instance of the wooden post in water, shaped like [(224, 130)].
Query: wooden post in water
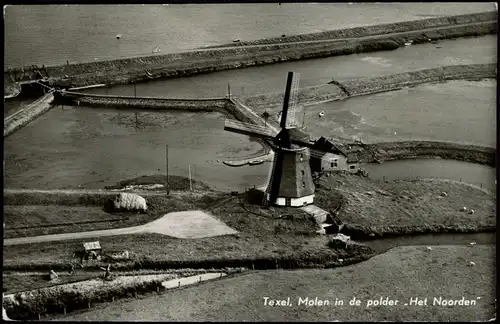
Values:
[(190, 182), (166, 162), (229, 91), (136, 120), (135, 91)]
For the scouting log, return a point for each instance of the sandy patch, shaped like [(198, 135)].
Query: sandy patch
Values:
[(189, 225)]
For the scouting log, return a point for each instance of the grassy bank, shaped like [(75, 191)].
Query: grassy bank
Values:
[(364, 31), (364, 86), (14, 282), (372, 209), (379, 152), (191, 63), (78, 295)]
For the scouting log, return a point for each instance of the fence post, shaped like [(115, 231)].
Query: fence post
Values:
[(200, 278), (64, 310), (276, 261), (481, 184), (89, 303), (158, 289), (179, 283), (113, 299), (39, 317)]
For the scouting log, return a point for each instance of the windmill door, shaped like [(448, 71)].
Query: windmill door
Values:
[(288, 202)]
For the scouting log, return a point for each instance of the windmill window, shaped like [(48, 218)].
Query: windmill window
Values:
[(352, 167), (301, 157), (302, 171), (303, 184)]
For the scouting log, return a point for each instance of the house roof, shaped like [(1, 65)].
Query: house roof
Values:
[(92, 246), (325, 145)]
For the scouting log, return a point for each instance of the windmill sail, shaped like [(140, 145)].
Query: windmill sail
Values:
[(293, 101), (249, 129)]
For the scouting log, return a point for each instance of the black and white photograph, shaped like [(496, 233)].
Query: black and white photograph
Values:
[(250, 161)]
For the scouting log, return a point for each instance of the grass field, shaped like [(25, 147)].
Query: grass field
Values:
[(385, 207), (400, 274), (42, 214), (268, 236)]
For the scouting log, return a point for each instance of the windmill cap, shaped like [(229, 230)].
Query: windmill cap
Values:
[(297, 135)]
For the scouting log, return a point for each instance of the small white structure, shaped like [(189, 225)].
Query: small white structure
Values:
[(342, 239), (471, 264), (118, 36), (471, 211), (130, 202), (92, 251), (472, 243), (321, 114), (463, 209), (429, 248)]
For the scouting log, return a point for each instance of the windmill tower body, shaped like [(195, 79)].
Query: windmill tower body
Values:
[(290, 182)]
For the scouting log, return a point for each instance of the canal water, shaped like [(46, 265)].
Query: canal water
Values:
[(84, 33), (272, 78), (79, 147), (455, 111), (476, 174)]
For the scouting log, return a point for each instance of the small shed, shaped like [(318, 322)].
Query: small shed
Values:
[(333, 158), (92, 250)]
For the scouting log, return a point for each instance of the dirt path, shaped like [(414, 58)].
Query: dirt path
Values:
[(186, 224)]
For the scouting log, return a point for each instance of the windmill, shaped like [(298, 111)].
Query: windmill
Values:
[(290, 180)]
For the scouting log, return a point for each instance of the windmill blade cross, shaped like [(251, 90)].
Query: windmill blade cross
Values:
[(286, 101)]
